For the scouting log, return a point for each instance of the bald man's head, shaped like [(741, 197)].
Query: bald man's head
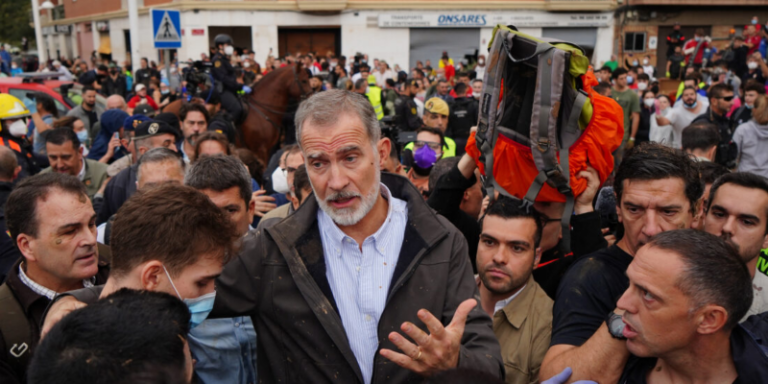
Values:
[(116, 102), (9, 166)]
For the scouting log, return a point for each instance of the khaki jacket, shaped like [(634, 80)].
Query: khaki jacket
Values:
[(524, 328), (95, 175)]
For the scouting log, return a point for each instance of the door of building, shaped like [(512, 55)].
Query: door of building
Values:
[(319, 40)]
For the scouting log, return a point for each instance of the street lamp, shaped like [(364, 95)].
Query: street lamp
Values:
[(41, 53), (47, 5)]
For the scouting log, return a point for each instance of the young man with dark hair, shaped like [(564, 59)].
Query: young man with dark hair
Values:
[(109, 340), (709, 173), (720, 102), (742, 115), (508, 250), (89, 112), (700, 140), (66, 156), (688, 291), (657, 189), (682, 117), (194, 121), (737, 211), (226, 181), (52, 223)]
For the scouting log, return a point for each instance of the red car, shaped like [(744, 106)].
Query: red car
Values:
[(66, 94)]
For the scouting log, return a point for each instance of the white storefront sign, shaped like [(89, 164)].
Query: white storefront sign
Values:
[(476, 20)]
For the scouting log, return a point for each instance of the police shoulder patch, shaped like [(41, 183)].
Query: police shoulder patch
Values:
[(413, 111), (217, 63)]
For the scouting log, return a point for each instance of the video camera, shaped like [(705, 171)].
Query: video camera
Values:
[(390, 129), (198, 78)]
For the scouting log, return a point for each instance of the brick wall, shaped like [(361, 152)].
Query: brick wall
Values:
[(650, 31), (90, 7)]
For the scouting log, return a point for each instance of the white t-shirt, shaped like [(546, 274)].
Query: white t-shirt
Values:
[(381, 78), (681, 118)]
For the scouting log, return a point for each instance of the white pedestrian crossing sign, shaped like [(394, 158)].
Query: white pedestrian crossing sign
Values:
[(166, 28)]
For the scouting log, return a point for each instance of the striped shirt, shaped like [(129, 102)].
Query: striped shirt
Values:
[(360, 280), (43, 291)]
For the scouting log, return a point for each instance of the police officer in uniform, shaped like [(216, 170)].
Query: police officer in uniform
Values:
[(224, 75), (405, 107)]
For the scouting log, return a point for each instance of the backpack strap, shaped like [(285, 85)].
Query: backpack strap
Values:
[(15, 329), (695, 53)]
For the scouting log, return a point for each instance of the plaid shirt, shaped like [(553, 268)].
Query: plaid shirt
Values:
[(43, 291)]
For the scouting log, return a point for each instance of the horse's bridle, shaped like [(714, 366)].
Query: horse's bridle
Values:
[(257, 107)]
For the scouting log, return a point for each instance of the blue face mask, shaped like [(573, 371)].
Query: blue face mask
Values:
[(630, 79), (82, 136), (199, 307), (691, 106)]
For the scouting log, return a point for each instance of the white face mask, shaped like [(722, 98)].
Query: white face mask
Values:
[(752, 65), (228, 50), (645, 61), (280, 181), (648, 102), (18, 128), (642, 86), (246, 65)]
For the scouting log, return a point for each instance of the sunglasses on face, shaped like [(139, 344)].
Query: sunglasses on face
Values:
[(727, 98)]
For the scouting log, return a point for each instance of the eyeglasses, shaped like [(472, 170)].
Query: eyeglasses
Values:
[(727, 98), (432, 145)]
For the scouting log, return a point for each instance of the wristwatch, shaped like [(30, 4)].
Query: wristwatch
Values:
[(615, 326)]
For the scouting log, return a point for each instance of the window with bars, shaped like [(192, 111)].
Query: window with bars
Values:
[(634, 41)]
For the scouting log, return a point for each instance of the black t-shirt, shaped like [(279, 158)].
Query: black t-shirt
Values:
[(674, 68), (637, 369), (92, 117), (587, 293)]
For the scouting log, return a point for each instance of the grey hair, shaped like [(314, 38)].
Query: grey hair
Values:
[(324, 109), (159, 155)]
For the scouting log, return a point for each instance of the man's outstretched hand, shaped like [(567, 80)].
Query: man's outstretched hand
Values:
[(433, 352)]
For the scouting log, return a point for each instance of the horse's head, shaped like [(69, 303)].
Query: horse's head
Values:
[(300, 88)]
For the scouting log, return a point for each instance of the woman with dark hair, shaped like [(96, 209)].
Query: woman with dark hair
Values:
[(212, 143)]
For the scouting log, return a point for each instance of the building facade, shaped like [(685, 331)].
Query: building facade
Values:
[(642, 26), (399, 32)]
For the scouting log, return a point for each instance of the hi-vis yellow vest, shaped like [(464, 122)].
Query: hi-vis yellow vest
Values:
[(374, 96)]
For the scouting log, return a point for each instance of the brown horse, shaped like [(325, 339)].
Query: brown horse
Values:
[(265, 107)]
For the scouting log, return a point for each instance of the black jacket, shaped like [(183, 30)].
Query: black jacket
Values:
[(407, 114), (727, 151), (34, 306), (118, 86), (223, 72), (446, 197), (144, 75), (9, 254), (118, 190), (463, 117), (279, 279)]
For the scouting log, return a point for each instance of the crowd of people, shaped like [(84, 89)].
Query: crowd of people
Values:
[(142, 246)]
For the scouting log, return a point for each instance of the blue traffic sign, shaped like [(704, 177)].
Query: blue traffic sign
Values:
[(166, 28)]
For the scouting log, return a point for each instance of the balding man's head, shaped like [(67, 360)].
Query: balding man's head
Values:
[(116, 102), (9, 166)]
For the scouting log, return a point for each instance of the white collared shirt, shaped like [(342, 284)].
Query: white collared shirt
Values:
[(43, 291), (81, 175), (503, 303), (360, 280)]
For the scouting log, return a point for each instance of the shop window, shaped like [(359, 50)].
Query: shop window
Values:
[(634, 42)]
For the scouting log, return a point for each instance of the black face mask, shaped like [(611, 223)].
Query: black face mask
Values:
[(423, 172)]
